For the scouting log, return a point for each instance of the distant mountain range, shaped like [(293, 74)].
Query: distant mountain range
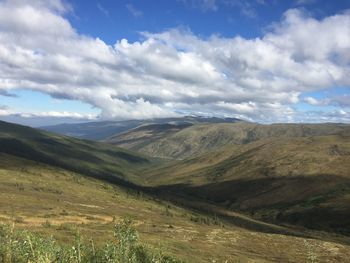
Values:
[(104, 129), (182, 141)]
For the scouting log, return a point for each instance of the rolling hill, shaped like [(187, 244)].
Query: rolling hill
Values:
[(104, 129), (91, 158), (175, 142)]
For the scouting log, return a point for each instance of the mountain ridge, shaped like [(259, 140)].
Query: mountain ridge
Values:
[(104, 129), (202, 137)]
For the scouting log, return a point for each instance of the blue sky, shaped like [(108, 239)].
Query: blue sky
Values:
[(112, 20), (259, 60)]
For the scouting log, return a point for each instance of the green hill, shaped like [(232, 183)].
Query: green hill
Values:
[(91, 158), (181, 142)]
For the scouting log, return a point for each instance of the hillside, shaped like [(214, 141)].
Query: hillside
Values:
[(229, 202), (181, 142), (104, 129), (52, 201), (91, 158), (301, 181)]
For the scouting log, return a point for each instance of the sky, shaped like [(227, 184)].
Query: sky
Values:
[(265, 61)]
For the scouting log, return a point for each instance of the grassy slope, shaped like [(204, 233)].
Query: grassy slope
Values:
[(91, 158), (54, 201), (200, 138), (303, 181)]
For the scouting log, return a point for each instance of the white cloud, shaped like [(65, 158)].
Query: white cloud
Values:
[(59, 114), (8, 112), (312, 101), (173, 71)]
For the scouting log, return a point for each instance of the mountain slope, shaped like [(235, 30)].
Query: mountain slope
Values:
[(56, 202), (104, 129), (297, 181), (303, 181), (91, 158), (180, 143)]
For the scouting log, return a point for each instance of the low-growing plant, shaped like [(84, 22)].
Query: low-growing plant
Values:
[(18, 246)]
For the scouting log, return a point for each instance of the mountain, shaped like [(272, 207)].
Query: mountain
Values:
[(50, 184), (301, 181), (283, 173), (173, 141), (88, 157), (294, 174), (104, 129)]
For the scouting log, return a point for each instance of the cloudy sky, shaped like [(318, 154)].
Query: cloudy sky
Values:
[(259, 60)]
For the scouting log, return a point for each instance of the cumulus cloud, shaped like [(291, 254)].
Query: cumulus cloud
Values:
[(173, 71)]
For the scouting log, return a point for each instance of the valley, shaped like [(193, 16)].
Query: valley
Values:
[(244, 193)]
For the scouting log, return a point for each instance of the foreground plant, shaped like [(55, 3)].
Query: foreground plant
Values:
[(24, 247)]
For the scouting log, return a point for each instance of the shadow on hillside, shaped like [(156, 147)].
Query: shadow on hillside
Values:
[(315, 202), (72, 160)]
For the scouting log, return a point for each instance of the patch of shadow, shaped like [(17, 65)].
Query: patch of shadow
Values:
[(131, 158), (295, 200)]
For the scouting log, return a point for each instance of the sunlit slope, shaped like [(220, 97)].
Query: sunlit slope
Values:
[(172, 142), (304, 181), (91, 158)]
